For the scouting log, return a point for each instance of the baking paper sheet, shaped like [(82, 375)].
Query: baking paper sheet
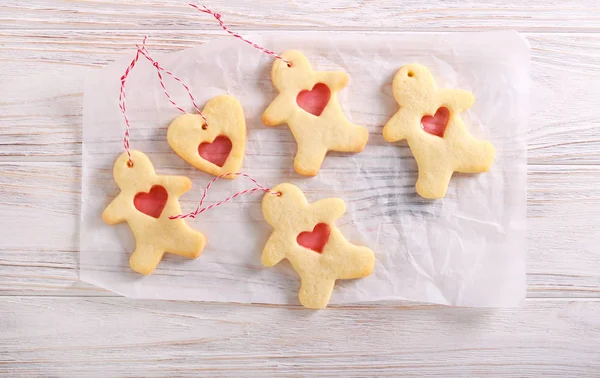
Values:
[(467, 249)]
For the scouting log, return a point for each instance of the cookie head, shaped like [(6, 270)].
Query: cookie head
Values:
[(288, 200), (411, 80), (295, 77), (125, 173)]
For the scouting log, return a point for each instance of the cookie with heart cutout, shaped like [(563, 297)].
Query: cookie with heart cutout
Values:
[(216, 147), (307, 102), (429, 119), (145, 202), (305, 234)]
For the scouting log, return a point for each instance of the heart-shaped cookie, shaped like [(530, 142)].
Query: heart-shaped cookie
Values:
[(216, 148)]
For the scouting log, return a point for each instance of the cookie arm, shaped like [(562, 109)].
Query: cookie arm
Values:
[(274, 250), (328, 209), (112, 214), (279, 110), (398, 127), (336, 80), (177, 185), (458, 99)]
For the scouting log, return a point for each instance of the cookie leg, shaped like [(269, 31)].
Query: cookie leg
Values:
[(361, 261), (477, 156), (315, 292), (308, 159), (145, 258), (273, 252), (354, 139), (189, 243), (433, 181)]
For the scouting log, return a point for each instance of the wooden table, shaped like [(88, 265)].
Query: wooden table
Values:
[(53, 325)]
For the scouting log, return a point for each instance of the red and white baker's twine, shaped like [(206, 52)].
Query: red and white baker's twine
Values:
[(217, 17), (199, 210), (123, 106), (141, 50)]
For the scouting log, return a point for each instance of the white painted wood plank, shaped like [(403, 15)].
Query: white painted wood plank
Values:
[(84, 337), (563, 237), (39, 249), (40, 214), (41, 106), (530, 15)]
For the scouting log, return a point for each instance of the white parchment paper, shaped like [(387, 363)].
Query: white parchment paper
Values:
[(467, 249)]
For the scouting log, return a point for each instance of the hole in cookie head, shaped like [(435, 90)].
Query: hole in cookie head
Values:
[(204, 126), (275, 193), (129, 163), (410, 74)]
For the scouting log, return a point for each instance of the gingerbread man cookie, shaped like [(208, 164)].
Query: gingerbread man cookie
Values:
[(145, 202), (429, 118), (304, 233), (216, 147), (308, 103)]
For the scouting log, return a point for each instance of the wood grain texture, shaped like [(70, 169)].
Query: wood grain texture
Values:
[(45, 196), (41, 106), (85, 337), (408, 15)]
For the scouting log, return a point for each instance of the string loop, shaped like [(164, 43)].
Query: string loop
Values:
[(142, 51), (199, 210), (217, 17), (123, 106)]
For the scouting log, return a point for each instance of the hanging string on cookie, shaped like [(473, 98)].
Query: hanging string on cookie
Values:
[(142, 51), (123, 106), (217, 17), (199, 210)]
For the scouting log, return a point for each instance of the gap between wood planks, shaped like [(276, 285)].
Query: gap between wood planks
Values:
[(76, 160), (365, 305), (217, 31)]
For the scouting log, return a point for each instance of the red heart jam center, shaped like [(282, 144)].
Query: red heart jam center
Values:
[(315, 239), (153, 202), (436, 124), (315, 100), (216, 151)]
